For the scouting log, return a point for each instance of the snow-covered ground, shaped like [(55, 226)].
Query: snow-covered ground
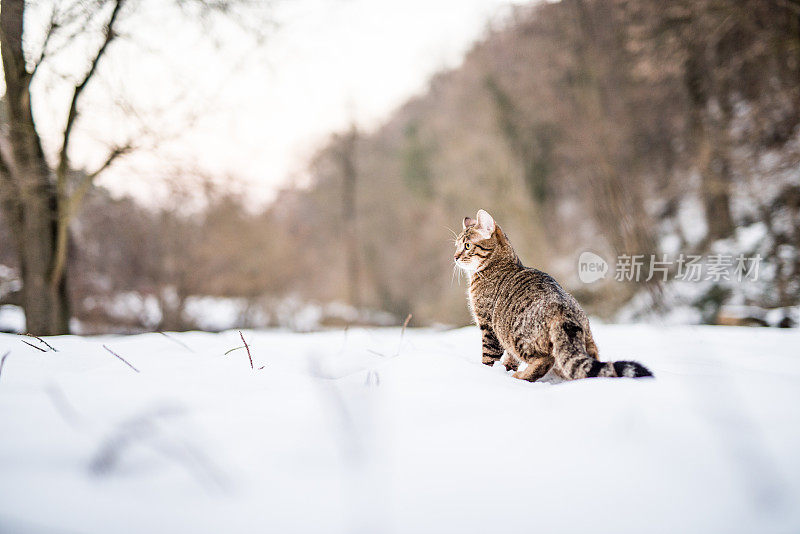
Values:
[(364, 432)]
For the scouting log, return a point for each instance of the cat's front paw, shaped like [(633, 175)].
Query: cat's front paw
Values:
[(489, 360)]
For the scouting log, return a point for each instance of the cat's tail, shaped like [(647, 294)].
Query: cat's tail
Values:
[(574, 362), (584, 366), (630, 369)]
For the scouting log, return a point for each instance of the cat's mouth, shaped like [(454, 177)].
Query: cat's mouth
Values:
[(466, 265)]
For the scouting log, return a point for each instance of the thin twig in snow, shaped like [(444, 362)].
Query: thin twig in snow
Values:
[(178, 341), (231, 350), (45, 343), (32, 345), (399, 345), (403, 333), (373, 378), (155, 430), (125, 433), (63, 406), (349, 437), (246, 346), (344, 341), (126, 362), (405, 323), (3, 361)]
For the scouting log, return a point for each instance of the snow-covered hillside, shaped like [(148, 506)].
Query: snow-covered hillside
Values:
[(366, 432)]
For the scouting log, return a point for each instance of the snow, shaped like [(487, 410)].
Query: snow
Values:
[(691, 218), (362, 431), (215, 313), (128, 306), (12, 319), (694, 301)]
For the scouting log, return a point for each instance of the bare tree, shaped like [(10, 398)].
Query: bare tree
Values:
[(731, 55), (40, 199), (347, 162)]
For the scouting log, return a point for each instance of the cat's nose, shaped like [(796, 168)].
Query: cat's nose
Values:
[(456, 255)]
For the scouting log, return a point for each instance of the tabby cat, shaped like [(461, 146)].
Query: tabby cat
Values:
[(526, 312)]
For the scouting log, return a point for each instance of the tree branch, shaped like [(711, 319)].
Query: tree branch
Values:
[(9, 198), (9, 195), (793, 5), (76, 198), (69, 207), (5, 170), (51, 29), (63, 160), (25, 143)]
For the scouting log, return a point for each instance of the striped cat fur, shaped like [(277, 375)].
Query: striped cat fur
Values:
[(525, 313)]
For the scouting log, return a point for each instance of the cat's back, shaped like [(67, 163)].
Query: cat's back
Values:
[(537, 295)]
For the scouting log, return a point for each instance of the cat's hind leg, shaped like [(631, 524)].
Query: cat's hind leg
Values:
[(536, 369), (591, 346), (571, 355)]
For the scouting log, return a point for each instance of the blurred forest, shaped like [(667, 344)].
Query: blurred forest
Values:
[(612, 126)]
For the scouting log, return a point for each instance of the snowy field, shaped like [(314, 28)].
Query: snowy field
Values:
[(366, 432)]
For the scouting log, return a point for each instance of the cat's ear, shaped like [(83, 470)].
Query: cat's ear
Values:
[(485, 226), (468, 221)]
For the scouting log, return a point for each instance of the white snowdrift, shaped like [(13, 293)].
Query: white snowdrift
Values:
[(330, 436)]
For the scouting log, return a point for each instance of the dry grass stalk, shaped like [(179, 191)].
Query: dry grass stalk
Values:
[(32, 345), (247, 347), (45, 343), (403, 333), (3, 361), (178, 341), (126, 362)]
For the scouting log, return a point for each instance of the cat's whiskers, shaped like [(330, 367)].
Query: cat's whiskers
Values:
[(460, 271), (455, 235)]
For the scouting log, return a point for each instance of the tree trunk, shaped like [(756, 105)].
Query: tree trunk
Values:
[(715, 185), (709, 129), (349, 177), (45, 301), (33, 205)]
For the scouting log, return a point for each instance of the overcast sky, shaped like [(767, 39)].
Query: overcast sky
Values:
[(264, 110)]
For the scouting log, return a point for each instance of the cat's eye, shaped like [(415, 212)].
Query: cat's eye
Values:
[(466, 246)]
